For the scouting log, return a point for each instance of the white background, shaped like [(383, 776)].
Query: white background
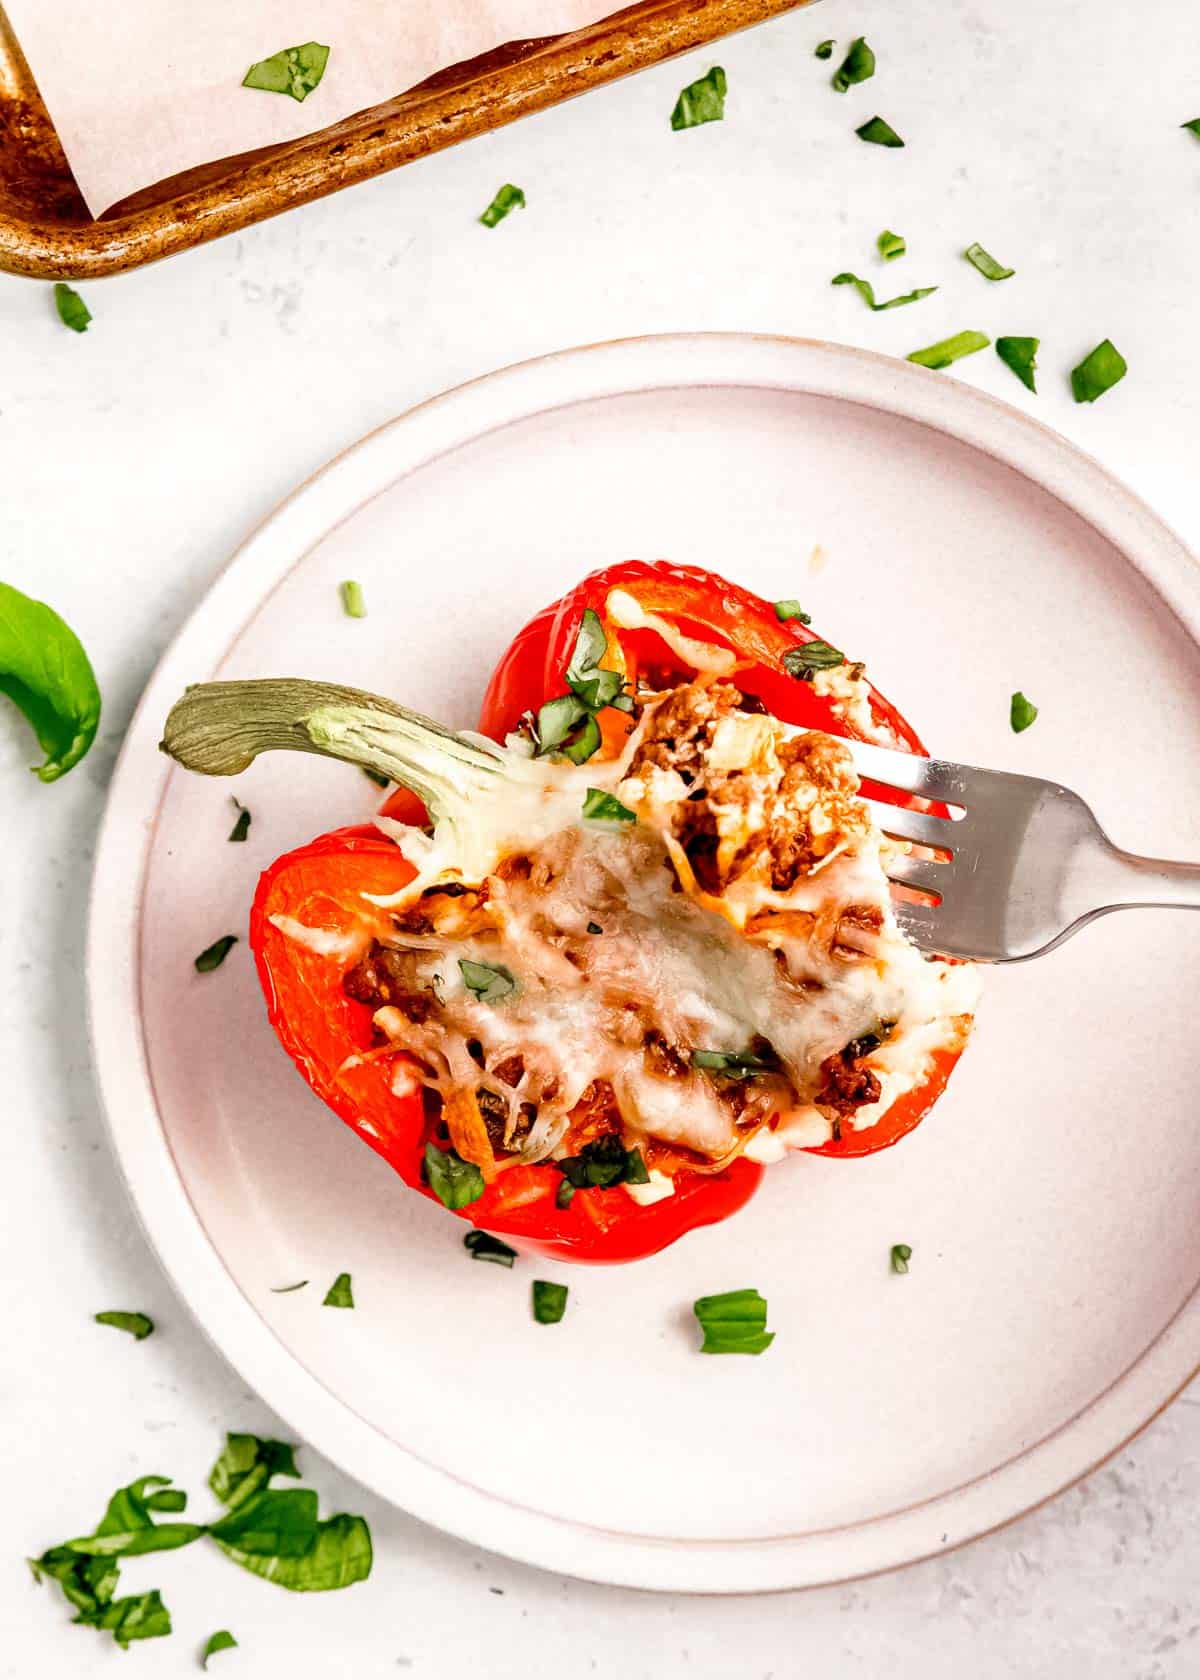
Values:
[(132, 461)]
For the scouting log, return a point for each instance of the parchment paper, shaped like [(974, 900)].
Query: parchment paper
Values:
[(142, 89)]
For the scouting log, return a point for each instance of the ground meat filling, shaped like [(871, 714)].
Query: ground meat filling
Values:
[(386, 976)]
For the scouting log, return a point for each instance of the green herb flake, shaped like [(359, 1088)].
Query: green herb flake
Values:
[(354, 602), (338, 1554), (241, 827), (1194, 126), (222, 1640), (890, 245), (866, 292), (340, 1293), (549, 1301), (701, 101), (48, 677), (786, 610), (508, 198), (735, 1322), (565, 1194), (987, 265), (489, 982), (296, 71), (246, 1464), (812, 656), (1021, 713), (599, 806), (374, 776), (947, 350), (456, 1183), (877, 132), (1020, 354), (824, 49), (601, 1164), (481, 1245), (581, 747), (135, 1324), (72, 311), (736, 1063), (1098, 372), (594, 927), (290, 1288), (901, 1255), (214, 955), (857, 66)]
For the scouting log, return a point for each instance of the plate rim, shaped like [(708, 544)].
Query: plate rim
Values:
[(172, 1226)]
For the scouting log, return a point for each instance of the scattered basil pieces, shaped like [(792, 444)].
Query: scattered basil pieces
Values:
[(949, 350), (508, 198), (736, 1063), (1098, 372), (877, 132), (735, 1322), (456, 1183), (565, 1194), (340, 1292), (701, 101), (824, 49), (241, 827), (567, 724), (601, 1164), (223, 1640), (1194, 126), (47, 676), (246, 1463), (594, 927), (491, 983), (481, 1245), (866, 292), (1020, 354), (339, 1554), (215, 953), (857, 66), (295, 71), (72, 311), (785, 610), (987, 265), (136, 1323), (901, 1255), (290, 1288), (549, 1301), (1021, 713), (354, 602), (599, 806), (812, 656), (374, 776), (890, 245)]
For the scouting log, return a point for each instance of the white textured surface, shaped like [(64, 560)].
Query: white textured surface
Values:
[(134, 458)]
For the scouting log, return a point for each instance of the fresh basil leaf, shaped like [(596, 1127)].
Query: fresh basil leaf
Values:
[(866, 292), (72, 311), (635, 1168), (508, 198), (1098, 372), (241, 827), (481, 1245), (129, 1508), (46, 674), (890, 245), (734, 1322), (354, 602), (1020, 354), (591, 644), (877, 132), (594, 927), (602, 1163), (170, 1499), (290, 1288), (949, 350), (857, 66), (456, 1183), (556, 719), (738, 1064), (1194, 126), (214, 955), (222, 1640), (278, 1522), (549, 1301), (824, 49), (599, 806), (490, 982), (986, 264), (374, 776), (1022, 713), (246, 1464), (339, 1556), (702, 101), (596, 688), (136, 1542), (901, 1255), (785, 610), (340, 1293), (87, 1583), (296, 71), (135, 1323), (144, 1616), (565, 1194), (582, 745), (803, 660)]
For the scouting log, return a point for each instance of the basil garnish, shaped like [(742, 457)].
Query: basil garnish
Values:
[(866, 292), (340, 1293), (601, 1164), (591, 688), (241, 827), (481, 1245), (785, 610), (295, 71), (594, 927), (507, 198), (136, 1323), (1098, 372), (354, 602), (1021, 713), (824, 49), (890, 245), (490, 983), (549, 1301), (987, 265), (812, 656), (737, 1064), (877, 132), (901, 1255), (565, 1194), (374, 776), (47, 676), (857, 66), (222, 1640), (246, 1464), (735, 1322), (701, 101), (72, 311), (456, 1183), (947, 350), (214, 955), (1020, 354), (599, 806), (1194, 126)]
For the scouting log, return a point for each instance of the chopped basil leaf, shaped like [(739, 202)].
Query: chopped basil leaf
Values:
[(1022, 713), (354, 603), (701, 101), (824, 49), (246, 1463), (169, 1499), (456, 1183), (785, 610), (584, 743), (591, 644), (1020, 354), (987, 265), (877, 132), (556, 719), (565, 1194), (290, 1288), (901, 1255), (594, 927), (222, 1640), (72, 311), (890, 245), (736, 1063), (491, 983), (275, 1523), (1194, 125), (295, 71), (136, 1323), (857, 66), (735, 1322), (602, 1163), (567, 724), (214, 955), (949, 350), (241, 827), (599, 806), (339, 1555), (596, 688), (47, 676), (1098, 372), (866, 292), (341, 1293), (508, 198), (812, 656), (144, 1616), (549, 1301), (481, 1245)]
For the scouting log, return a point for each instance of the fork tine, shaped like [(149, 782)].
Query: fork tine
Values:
[(917, 826), (909, 771), (922, 924), (924, 874)]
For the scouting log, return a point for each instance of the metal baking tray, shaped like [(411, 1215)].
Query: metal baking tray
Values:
[(47, 233)]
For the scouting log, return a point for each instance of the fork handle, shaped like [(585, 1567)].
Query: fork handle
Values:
[(1130, 882)]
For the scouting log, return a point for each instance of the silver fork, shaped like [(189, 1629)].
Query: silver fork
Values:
[(1028, 863)]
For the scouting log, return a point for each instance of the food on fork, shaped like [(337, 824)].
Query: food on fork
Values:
[(582, 985)]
